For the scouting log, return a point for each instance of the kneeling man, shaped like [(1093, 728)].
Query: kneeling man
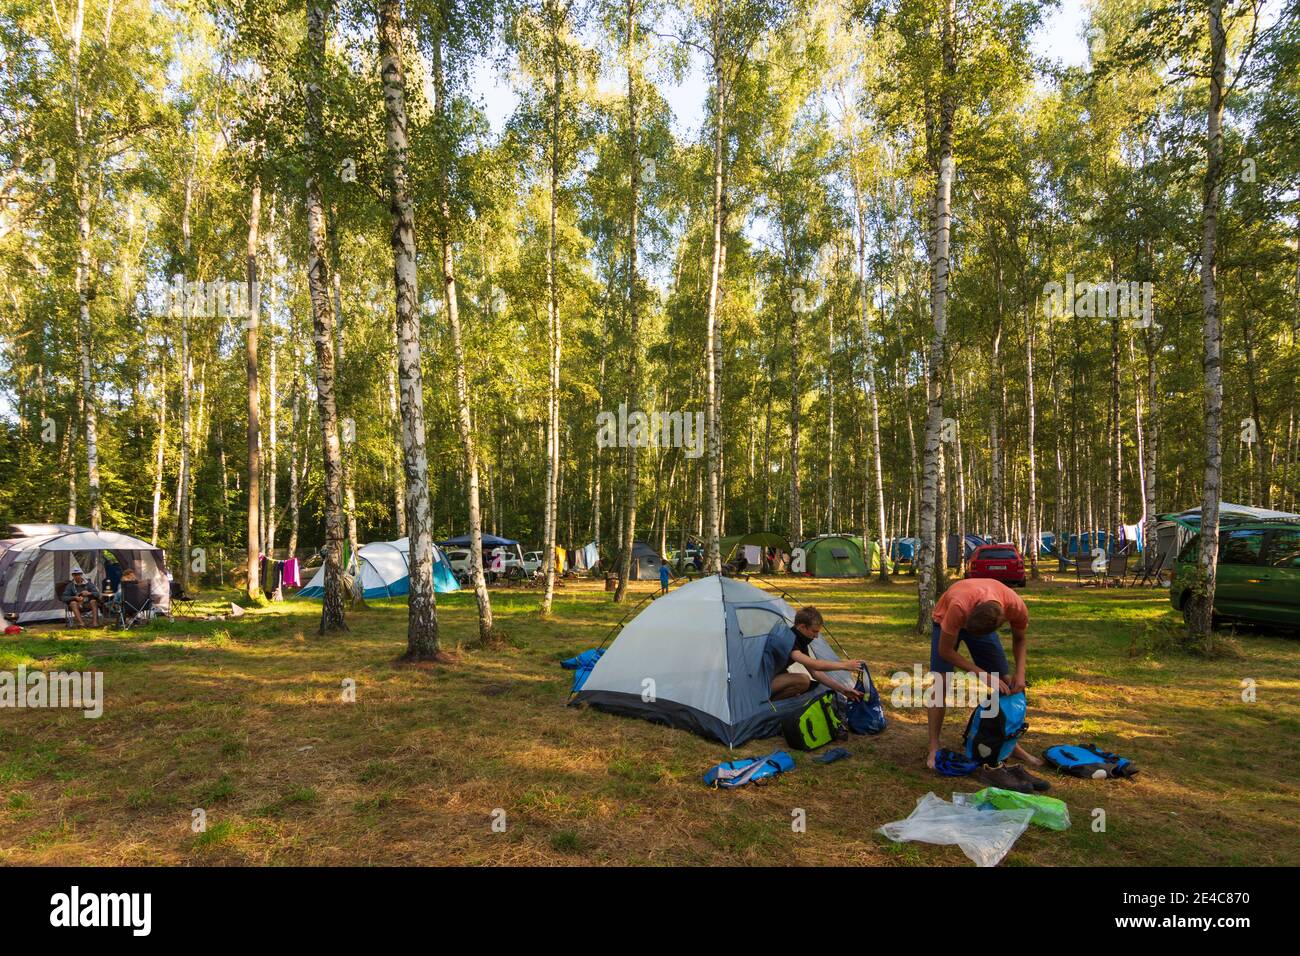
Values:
[(786, 655)]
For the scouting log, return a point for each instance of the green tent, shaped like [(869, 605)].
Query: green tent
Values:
[(834, 556), (730, 546), (874, 550)]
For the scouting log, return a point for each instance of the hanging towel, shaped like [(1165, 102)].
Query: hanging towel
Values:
[(291, 579)]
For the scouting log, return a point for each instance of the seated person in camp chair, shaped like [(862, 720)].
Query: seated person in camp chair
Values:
[(788, 647), (115, 602), (970, 611), (80, 595)]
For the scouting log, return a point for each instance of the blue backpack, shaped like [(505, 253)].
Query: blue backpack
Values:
[(866, 716), (990, 737), (1089, 761)]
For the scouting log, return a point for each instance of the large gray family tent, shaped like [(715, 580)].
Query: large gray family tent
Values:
[(694, 659), (38, 561)]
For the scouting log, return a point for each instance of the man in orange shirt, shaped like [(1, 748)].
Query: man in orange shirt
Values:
[(970, 612)]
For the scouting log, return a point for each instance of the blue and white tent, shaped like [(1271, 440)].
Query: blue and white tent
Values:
[(382, 568)]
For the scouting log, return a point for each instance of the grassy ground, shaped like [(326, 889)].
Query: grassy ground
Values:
[(244, 719)]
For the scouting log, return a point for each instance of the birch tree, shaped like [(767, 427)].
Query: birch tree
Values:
[(323, 327)]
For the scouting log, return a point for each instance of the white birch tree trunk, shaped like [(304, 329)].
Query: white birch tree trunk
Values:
[(323, 332)]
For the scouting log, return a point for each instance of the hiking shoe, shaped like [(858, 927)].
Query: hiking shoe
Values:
[(1038, 783), (1002, 778)]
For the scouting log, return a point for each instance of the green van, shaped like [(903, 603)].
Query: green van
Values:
[(1258, 574)]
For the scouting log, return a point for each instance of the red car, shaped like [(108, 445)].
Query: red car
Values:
[(999, 561)]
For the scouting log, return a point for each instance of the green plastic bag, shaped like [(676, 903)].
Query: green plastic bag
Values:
[(1048, 811)]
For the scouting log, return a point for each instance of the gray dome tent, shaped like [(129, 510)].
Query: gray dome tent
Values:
[(694, 659), (645, 562)]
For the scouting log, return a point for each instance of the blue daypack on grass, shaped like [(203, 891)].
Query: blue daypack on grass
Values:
[(990, 738), (1089, 761), (756, 770), (866, 716)]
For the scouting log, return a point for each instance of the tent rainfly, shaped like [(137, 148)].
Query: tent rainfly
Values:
[(700, 650)]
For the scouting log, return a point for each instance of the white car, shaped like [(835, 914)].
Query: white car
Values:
[(532, 562), (458, 558), (509, 561)]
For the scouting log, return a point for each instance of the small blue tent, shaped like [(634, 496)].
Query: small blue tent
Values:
[(903, 550)]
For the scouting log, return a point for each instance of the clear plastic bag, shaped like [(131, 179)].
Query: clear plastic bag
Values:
[(985, 836)]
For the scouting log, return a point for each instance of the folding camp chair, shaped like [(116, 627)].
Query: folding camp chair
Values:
[(69, 620), (180, 599), (1083, 572), (1117, 567), (134, 604), (1147, 571)]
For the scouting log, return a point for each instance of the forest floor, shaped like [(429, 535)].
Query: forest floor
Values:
[(244, 720)]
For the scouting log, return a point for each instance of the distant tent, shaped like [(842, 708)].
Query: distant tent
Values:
[(973, 541), (871, 555), (383, 569), (1082, 544), (39, 560), (903, 550), (701, 647), (733, 546), (834, 556), (645, 562)]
